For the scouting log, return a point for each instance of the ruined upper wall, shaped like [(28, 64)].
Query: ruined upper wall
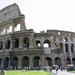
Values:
[(9, 12), (61, 33)]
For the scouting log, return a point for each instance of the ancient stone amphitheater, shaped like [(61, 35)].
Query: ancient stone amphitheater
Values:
[(20, 47)]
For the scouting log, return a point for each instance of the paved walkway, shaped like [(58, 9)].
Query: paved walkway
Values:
[(62, 73)]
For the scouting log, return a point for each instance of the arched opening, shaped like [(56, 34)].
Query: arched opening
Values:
[(26, 42), (9, 29), (72, 48), (61, 45), (66, 48), (48, 61), (25, 61), (38, 43), (17, 26), (15, 63), (36, 61), (65, 39), (58, 61), (1, 45), (47, 43), (68, 60), (3, 30), (6, 63), (73, 60), (7, 44), (16, 43)]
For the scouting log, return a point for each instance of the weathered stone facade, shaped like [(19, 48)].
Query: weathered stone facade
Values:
[(20, 47)]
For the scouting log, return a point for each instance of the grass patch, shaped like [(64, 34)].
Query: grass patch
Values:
[(73, 71), (19, 72)]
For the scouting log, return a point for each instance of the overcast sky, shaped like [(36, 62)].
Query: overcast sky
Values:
[(46, 14)]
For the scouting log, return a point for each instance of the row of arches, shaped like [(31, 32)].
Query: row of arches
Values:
[(15, 43), (9, 28), (26, 41), (36, 61), (47, 43)]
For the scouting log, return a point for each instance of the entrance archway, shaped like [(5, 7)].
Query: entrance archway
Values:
[(15, 62), (58, 61), (73, 60), (25, 61), (68, 60), (49, 61), (6, 63), (36, 61)]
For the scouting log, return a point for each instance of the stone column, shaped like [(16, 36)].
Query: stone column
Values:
[(42, 60), (6, 29), (42, 41), (19, 62), (2, 63), (20, 42), (13, 25), (64, 52), (53, 60), (3, 44), (31, 40), (22, 25), (30, 60), (74, 44), (70, 51)]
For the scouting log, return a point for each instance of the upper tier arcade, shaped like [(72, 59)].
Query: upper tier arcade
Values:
[(11, 19)]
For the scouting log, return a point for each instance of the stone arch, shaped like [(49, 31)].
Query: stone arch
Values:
[(48, 61), (73, 60), (68, 60), (65, 39), (61, 45), (25, 61), (38, 43), (26, 42), (16, 43), (72, 47), (6, 62), (1, 45), (47, 43), (7, 44), (66, 48), (9, 28), (58, 61), (17, 26), (3, 30), (36, 61), (15, 62)]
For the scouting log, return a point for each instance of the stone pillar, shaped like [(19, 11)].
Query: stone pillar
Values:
[(74, 43), (46, 62), (6, 29), (2, 63), (19, 62), (42, 41), (30, 60), (31, 40), (64, 52), (53, 60), (3, 44), (70, 51), (42, 60), (20, 43), (22, 25), (13, 25)]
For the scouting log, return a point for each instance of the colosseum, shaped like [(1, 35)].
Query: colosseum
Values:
[(20, 47)]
